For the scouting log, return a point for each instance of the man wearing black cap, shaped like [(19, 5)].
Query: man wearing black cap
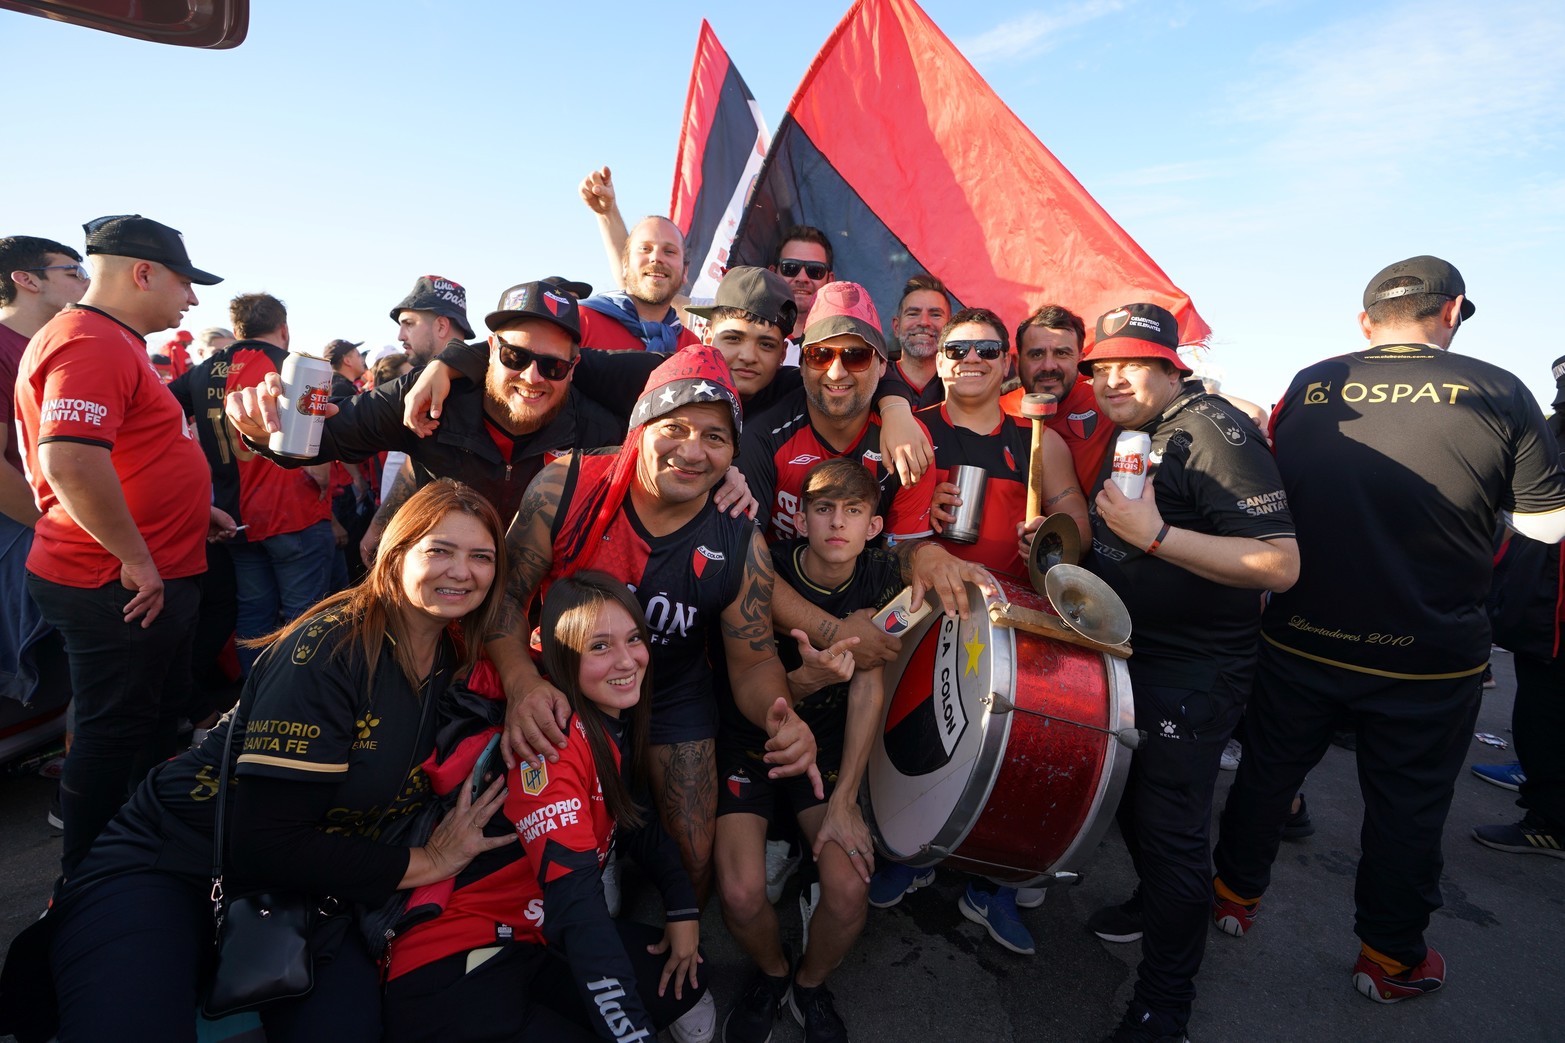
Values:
[(1399, 461), (1189, 557), (347, 366), (126, 503), (494, 437), (433, 313)]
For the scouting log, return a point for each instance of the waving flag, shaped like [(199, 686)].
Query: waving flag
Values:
[(721, 147), (898, 149)]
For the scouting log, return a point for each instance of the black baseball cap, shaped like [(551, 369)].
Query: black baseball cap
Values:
[(573, 287), (1135, 331), (338, 349), (131, 235), (536, 300), (758, 291), (1434, 275), (440, 295)]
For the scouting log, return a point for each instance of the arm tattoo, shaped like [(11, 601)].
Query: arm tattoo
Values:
[(402, 487), (754, 603), (904, 552), (1057, 497), (828, 630), (529, 546), (685, 777)]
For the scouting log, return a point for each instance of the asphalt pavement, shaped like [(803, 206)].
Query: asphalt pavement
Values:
[(922, 972)]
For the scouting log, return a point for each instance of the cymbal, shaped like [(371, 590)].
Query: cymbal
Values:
[(1057, 542), (1087, 605)]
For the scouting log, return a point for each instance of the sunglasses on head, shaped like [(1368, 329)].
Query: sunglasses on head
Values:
[(956, 350), (814, 269), (518, 359), (854, 360)]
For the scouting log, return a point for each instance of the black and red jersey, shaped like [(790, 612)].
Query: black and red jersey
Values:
[(1087, 432), (779, 450), (684, 581), (1003, 454)]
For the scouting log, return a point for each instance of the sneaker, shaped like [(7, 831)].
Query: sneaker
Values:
[(756, 1010), (1233, 918), (893, 880), (813, 1009), (809, 898), (1506, 776), (1371, 979), (699, 1023), (780, 865), (1297, 825), (996, 913), (611, 894), (1030, 897), (1529, 836), (1140, 1025), (56, 816), (1231, 754), (1118, 923)]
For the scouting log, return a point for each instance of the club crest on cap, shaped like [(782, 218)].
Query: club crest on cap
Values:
[(555, 302), (1115, 321)]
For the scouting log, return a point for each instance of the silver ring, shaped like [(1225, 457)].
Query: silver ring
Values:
[(854, 851)]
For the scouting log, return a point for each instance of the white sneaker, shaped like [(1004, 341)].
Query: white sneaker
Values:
[(611, 895), (1231, 754), (779, 867), (699, 1025), (809, 898), (1030, 897)]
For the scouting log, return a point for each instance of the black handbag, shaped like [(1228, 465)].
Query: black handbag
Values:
[(263, 941)]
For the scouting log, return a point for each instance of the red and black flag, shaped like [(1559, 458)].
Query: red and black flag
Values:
[(721, 146), (898, 149)]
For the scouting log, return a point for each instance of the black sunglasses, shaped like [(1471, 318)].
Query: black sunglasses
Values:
[(518, 359), (854, 360), (814, 269), (956, 350)]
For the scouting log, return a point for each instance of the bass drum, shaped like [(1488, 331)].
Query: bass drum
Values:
[(996, 754)]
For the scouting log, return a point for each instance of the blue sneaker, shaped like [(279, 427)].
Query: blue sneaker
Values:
[(997, 914), (893, 880), (1506, 776)]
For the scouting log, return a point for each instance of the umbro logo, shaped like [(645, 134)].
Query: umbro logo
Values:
[(803, 460)]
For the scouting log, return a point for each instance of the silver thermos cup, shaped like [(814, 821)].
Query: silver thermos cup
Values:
[(969, 482)]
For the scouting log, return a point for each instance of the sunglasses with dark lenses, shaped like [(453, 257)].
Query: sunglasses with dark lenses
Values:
[(854, 360), (518, 359), (814, 269), (956, 350)]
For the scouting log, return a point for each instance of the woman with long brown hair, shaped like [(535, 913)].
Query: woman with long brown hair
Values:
[(525, 948), (327, 741)]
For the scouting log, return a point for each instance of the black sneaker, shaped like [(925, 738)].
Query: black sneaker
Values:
[(1139, 1025), (1532, 835), (755, 1012), (813, 1009), (1118, 923), (1297, 825)]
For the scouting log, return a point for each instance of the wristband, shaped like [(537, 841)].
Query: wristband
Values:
[(1157, 541)]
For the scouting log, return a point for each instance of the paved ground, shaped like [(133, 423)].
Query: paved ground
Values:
[(924, 973)]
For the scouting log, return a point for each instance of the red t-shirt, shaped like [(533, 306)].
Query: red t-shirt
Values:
[(601, 331), (273, 500), (1078, 421), (86, 378)]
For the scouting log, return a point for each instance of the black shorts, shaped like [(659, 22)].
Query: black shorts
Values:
[(743, 785)]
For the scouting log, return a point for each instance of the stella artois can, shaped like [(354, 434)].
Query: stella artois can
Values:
[(302, 410), (1130, 462)]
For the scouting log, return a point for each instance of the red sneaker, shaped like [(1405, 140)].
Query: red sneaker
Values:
[(1371, 979), (1233, 918)]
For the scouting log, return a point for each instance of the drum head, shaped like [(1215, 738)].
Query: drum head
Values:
[(938, 751)]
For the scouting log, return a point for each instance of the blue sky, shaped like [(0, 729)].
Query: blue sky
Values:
[(1270, 156)]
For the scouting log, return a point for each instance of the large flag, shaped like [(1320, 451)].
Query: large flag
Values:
[(721, 147), (898, 149)]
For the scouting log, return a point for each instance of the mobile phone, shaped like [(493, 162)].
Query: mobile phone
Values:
[(489, 766), (898, 616)]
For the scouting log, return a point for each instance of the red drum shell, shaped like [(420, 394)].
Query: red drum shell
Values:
[(990, 756)]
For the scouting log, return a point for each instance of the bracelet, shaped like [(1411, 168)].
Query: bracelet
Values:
[(1157, 541)]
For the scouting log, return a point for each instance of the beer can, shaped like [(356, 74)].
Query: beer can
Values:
[(970, 482), (1129, 472), (301, 411)]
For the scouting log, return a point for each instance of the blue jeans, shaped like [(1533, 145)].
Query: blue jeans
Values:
[(278, 579)]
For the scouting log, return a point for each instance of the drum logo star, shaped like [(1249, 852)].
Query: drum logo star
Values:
[(975, 651)]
